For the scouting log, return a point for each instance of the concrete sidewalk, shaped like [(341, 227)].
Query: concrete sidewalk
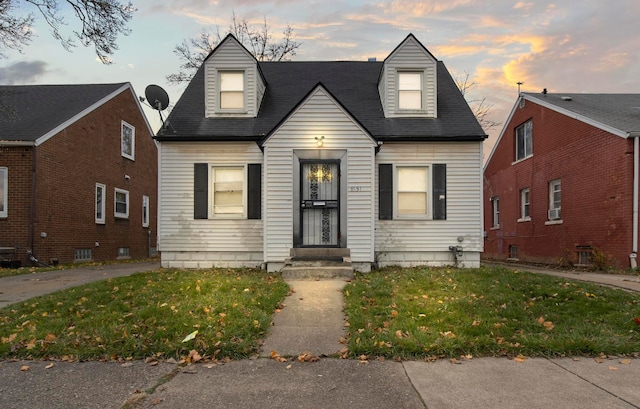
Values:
[(621, 281), (18, 288), (312, 321), (328, 383)]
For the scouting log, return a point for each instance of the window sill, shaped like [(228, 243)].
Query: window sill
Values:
[(552, 222), (495, 227), (526, 219), (117, 217), (521, 160)]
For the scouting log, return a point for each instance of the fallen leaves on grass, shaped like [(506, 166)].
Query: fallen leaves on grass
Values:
[(548, 325)]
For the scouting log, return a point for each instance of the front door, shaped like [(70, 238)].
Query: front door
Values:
[(320, 205)]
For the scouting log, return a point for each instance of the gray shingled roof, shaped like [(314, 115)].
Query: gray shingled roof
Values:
[(619, 111), (353, 84), (28, 112)]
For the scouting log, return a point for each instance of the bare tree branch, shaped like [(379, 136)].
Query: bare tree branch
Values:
[(101, 21), (258, 40), (480, 107)]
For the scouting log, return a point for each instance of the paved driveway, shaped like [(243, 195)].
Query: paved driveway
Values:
[(22, 287)]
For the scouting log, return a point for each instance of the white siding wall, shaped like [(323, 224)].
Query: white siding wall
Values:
[(408, 56), (410, 242), (319, 116), (232, 56), (190, 243)]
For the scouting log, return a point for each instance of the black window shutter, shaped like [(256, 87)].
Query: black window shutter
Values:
[(200, 190), (254, 191), (385, 192), (439, 191)]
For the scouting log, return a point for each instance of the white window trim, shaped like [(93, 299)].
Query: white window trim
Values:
[(117, 214), (429, 191), (4, 174), (495, 213), (423, 98), (219, 107), (131, 156), (526, 156), (103, 204), (552, 206), (212, 213), (524, 218), (145, 215)]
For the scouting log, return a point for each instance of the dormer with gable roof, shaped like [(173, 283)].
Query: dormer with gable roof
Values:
[(234, 85), (408, 81)]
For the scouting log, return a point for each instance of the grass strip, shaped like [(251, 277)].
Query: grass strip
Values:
[(445, 312), (147, 314)]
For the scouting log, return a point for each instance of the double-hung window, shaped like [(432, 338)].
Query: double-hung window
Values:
[(555, 204), (524, 142), (145, 211), (525, 204), (100, 203), (410, 90), (4, 191), (128, 140), (412, 191), (231, 191), (121, 204), (228, 191), (495, 209), (231, 90)]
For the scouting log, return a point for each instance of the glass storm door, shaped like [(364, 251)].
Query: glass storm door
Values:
[(319, 207)]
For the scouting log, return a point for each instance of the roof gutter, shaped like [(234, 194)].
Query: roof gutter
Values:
[(16, 143)]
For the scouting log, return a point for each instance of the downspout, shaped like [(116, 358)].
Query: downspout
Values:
[(636, 162), (32, 204)]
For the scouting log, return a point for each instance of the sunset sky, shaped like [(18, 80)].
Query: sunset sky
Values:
[(564, 46)]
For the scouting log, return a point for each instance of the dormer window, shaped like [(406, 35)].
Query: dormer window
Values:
[(232, 90), (410, 90)]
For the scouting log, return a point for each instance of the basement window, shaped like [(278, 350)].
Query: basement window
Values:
[(585, 255), (123, 252), (83, 255), (513, 252)]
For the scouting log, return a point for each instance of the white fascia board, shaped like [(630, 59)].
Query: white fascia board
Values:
[(80, 115), (504, 128)]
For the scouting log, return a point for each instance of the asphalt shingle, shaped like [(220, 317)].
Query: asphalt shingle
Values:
[(28, 112), (353, 84)]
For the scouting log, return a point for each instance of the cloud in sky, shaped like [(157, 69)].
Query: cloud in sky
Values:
[(23, 72), (561, 45)]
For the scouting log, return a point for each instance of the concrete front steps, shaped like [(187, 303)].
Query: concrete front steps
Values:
[(318, 263)]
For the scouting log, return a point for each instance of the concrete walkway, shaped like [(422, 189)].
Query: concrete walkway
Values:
[(624, 282), (312, 321), (22, 287)]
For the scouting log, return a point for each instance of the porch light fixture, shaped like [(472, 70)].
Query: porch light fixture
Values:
[(319, 141)]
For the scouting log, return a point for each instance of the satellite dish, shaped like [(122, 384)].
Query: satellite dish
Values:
[(157, 97)]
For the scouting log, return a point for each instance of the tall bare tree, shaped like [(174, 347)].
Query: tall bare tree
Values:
[(101, 22), (480, 107), (257, 39)]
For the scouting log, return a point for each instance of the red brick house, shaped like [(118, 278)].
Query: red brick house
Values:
[(561, 183), (78, 174)]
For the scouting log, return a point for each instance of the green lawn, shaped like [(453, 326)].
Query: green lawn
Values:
[(395, 313), (145, 315), (411, 313)]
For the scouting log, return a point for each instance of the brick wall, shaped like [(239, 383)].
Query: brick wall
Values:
[(13, 231), (68, 167), (596, 173)]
